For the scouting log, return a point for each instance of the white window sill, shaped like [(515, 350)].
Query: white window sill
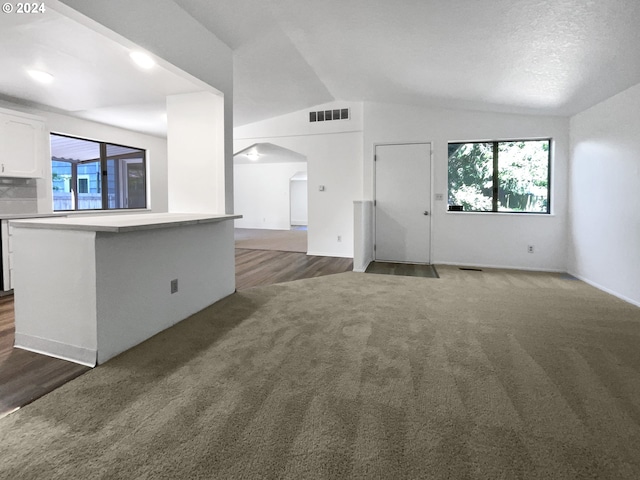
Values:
[(503, 214)]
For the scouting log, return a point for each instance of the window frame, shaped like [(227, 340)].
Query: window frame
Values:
[(495, 191), (104, 175)]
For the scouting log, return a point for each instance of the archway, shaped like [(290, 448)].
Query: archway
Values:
[(270, 192)]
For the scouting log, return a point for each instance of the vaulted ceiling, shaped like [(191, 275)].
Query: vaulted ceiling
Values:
[(94, 77), (555, 57)]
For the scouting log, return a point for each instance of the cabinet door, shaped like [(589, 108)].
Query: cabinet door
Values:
[(4, 238), (21, 146)]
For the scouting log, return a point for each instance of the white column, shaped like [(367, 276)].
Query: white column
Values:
[(196, 153)]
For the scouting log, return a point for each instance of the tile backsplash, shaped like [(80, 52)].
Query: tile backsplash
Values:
[(18, 195)]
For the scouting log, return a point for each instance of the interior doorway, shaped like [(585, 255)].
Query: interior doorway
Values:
[(270, 192), (262, 185), (402, 207), (298, 203)]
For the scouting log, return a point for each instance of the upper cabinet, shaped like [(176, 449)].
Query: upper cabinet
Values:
[(23, 145)]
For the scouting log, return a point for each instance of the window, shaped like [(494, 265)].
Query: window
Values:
[(83, 185), (80, 168), (505, 176)]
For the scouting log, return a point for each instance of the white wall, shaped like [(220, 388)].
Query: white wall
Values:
[(298, 201), (134, 271), (363, 240), (87, 296), (54, 276), (262, 194), (156, 153), (604, 238), (195, 145), (481, 239), (164, 29), (334, 160)]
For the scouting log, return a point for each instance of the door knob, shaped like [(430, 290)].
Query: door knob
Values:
[(426, 212)]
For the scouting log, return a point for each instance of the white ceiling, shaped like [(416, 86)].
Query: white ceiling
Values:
[(554, 57), (94, 76), (267, 153)]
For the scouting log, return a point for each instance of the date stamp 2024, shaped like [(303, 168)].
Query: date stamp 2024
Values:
[(23, 8)]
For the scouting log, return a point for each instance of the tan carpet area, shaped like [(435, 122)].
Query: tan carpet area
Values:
[(282, 240), (476, 375)]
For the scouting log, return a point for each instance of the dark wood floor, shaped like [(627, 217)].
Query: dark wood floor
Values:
[(25, 376), (264, 267)]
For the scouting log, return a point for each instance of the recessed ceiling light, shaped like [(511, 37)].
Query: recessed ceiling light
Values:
[(253, 156), (142, 59), (40, 76)]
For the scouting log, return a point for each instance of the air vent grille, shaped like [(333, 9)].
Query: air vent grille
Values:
[(329, 115)]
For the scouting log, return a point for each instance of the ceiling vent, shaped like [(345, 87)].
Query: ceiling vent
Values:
[(328, 115)]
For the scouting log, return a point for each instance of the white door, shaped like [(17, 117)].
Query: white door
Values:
[(298, 204), (403, 203), (132, 193)]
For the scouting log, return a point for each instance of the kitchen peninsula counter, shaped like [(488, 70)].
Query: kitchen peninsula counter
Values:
[(18, 216), (122, 223), (90, 287), (5, 243)]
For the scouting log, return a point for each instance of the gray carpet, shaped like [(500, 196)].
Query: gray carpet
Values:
[(479, 375)]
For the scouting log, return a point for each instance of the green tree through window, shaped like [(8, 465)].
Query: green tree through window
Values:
[(507, 176)]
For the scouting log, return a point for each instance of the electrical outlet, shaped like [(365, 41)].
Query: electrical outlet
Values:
[(339, 238), (174, 285), (530, 248)]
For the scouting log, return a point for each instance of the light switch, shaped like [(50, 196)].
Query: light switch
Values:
[(321, 188), (439, 197)]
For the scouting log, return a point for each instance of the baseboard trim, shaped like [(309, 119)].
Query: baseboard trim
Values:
[(51, 348), (606, 290), (503, 267), (362, 269), (325, 254)]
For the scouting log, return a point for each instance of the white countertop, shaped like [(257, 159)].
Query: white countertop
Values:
[(17, 216), (122, 223)]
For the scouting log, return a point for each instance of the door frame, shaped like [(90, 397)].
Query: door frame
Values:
[(291, 180), (375, 180)]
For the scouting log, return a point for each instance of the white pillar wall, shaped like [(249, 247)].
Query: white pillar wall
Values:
[(196, 153), (174, 36)]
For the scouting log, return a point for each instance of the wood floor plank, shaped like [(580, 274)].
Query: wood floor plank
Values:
[(26, 376), (264, 267)]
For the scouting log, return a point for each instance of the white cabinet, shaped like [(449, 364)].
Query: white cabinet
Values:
[(6, 232), (23, 145), (6, 254)]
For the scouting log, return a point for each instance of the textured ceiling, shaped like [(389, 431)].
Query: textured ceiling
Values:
[(554, 57)]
